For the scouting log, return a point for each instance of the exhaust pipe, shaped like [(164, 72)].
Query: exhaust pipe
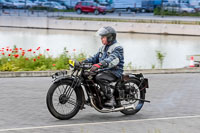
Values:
[(111, 110)]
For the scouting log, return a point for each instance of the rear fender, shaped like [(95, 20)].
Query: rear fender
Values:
[(143, 81)]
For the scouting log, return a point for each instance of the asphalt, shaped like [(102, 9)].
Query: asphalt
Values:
[(174, 107), (174, 103)]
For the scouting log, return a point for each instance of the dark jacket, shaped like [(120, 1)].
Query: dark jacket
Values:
[(113, 55)]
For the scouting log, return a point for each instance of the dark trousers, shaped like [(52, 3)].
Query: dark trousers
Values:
[(103, 79)]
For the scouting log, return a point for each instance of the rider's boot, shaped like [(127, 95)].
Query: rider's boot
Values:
[(111, 100)]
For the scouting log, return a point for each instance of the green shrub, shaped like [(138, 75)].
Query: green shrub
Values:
[(160, 57), (28, 60)]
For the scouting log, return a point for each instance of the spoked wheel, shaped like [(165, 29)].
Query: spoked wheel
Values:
[(132, 92), (63, 101)]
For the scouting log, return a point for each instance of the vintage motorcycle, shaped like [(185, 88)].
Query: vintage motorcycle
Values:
[(70, 92)]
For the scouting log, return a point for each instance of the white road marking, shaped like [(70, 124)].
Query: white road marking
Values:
[(98, 123)]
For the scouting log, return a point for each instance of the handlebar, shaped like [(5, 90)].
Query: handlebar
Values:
[(78, 65), (85, 65)]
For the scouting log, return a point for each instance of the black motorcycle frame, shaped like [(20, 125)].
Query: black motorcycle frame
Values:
[(80, 77)]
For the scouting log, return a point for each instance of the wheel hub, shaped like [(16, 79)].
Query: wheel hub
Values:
[(63, 99)]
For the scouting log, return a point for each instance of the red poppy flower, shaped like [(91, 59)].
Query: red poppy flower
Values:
[(53, 64), (34, 59), (16, 55), (47, 49), (27, 59), (34, 52), (74, 50), (10, 50), (38, 57), (40, 54), (38, 48), (2, 48), (3, 53), (9, 54), (20, 48), (29, 50), (7, 49), (16, 49)]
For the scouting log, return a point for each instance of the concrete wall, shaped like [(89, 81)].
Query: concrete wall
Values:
[(53, 23), (16, 21)]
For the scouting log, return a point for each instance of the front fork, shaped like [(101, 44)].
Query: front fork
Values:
[(68, 91)]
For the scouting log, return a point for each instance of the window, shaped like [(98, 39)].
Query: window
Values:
[(89, 4), (84, 4)]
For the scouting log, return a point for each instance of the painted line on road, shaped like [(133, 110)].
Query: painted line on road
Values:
[(98, 123)]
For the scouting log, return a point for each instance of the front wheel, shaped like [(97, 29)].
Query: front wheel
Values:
[(143, 10), (96, 12), (78, 11), (133, 92), (63, 101), (129, 10)]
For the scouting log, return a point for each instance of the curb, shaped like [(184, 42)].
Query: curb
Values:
[(144, 71), (26, 74), (165, 71)]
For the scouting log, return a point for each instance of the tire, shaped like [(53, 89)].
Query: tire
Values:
[(96, 12), (54, 90), (129, 10), (140, 103), (143, 10), (78, 11), (104, 13)]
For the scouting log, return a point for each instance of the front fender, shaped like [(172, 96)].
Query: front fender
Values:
[(63, 78), (71, 79)]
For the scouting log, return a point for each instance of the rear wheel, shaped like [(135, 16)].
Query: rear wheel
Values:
[(63, 101), (133, 92), (184, 12), (104, 13)]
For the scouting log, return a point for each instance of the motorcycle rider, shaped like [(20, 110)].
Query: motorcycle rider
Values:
[(110, 59)]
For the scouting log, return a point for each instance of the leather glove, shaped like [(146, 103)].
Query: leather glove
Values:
[(95, 67)]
